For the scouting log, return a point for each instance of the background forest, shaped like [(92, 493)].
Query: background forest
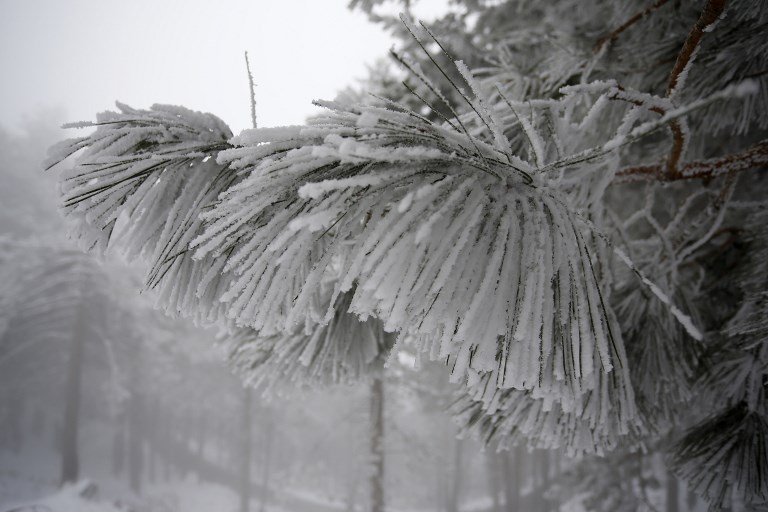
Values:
[(521, 266)]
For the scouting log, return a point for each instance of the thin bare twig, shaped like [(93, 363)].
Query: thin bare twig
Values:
[(675, 126), (678, 143), (709, 16), (252, 86), (624, 26)]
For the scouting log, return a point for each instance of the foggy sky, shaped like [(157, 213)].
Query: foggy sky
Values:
[(83, 55)]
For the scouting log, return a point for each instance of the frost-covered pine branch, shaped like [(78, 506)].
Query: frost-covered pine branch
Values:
[(141, 180), (487, 217)]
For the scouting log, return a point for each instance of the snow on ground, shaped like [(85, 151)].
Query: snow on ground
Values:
[(28, 474), (192, 495), (187, 495), (31, 477), (80, 497)]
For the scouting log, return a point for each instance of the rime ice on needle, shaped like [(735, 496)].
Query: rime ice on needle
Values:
[(440, 233)]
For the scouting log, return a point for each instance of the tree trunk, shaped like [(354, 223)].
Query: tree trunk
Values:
[(135, 447), (166, 440), (440, 481), (221, 443), (377, 448), (38, 424), (266, 469), (70, 463), (135, 419), (202, 430), (453, 499), (492, 468), (544, 479), (673, 493), (150, 437), (692, 501), (511, 479), (16, 418), (245, 451), (557, 470), (352, 481), (118, 445)]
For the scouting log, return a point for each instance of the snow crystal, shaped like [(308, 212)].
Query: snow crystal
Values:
[(314, 222), (367, 119), (320, 188), (617, 141), (255, 136), (405, 203)]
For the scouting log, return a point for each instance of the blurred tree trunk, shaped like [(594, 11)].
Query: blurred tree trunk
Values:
[(267, 463), (492, 477), (557, 470), (673, 493), (352, 481), (377, 442), (453, 498), (118, 444), (16, 418), (692, 501), (511, 478), (542, 481), (245, 451), (444, 478), (221, 443), (70, 463), (151, 422), (38, 424), (167, 444), (202, 431), (135, 420)]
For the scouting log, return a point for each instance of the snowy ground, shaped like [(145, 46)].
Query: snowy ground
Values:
[(187, 495), (30, 478)]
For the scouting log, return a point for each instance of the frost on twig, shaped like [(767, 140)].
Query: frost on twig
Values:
[(750, 158)]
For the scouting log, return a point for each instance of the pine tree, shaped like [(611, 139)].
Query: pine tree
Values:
[(563, 203), (59, 300)]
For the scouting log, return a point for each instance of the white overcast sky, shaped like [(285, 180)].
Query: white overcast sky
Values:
[(82, 55)]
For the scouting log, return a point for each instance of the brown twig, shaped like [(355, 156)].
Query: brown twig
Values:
[(675, 126), (754, 156), (678, 143), (624, 26), (709, 15)]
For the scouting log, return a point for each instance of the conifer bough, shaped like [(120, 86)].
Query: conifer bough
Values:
[(541, 217)]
